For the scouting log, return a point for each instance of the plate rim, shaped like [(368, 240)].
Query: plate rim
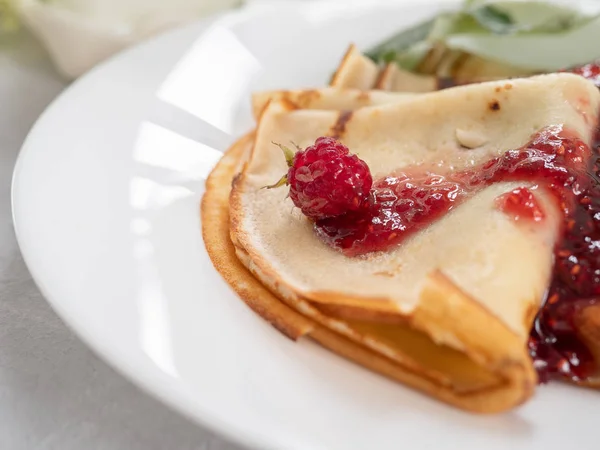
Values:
[(168, 394), (165, 393)]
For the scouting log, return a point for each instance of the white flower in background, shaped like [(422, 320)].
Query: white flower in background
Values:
[(80, 33)]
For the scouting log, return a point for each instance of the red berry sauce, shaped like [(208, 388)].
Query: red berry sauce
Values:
[(590, 71), (405, 202), (521, 205), (399, 205), (555, 160)]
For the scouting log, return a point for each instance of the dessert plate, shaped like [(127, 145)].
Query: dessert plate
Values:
[(105, 197)]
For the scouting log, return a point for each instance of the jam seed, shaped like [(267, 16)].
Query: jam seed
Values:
[(553, 299)]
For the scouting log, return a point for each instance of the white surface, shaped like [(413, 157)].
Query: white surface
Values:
[(106, 199), (80, 34), (54, 393)]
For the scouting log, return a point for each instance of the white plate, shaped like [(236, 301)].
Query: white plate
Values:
[(106, 194)]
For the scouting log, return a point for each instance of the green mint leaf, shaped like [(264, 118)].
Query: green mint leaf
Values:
[(493, 19), (392, 47)]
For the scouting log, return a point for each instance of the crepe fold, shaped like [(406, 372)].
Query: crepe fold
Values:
[(449, 310), (330, 98), (441, 68)]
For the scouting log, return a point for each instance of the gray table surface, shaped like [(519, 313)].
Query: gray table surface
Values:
[(54, 392)]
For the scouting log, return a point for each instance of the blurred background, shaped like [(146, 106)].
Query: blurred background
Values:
[(77, 34), (54, 393)]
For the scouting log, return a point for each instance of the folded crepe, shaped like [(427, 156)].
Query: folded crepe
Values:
[(357, 71), (330, 98), (449, 310), (440, 69)]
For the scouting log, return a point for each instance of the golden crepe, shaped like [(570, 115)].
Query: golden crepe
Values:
[(440, 69), (436, 313), (330, 98), (356, 71)]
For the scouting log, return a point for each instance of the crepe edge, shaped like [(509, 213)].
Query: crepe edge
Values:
[(513, 367), (355, 71), (293, 324), (214, 212), (305, 98), (498, 355)]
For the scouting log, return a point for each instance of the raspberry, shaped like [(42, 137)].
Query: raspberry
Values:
[(326, 180)]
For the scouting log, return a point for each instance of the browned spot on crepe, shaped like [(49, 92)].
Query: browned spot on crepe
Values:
[(381, 77), (363, 96), (445, 83), (288, 104), (339, 128), (336, 75), (307, 97), (494, 105)]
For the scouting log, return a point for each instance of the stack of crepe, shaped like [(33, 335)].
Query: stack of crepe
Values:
[(449, 310)]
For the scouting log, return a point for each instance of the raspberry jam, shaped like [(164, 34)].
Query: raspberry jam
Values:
[(590, 71), (399, 206), (405, 202), (554, 160), (521, 205)]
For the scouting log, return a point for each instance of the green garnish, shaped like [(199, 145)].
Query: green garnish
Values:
[(494, 19), (9, 20), (535, 36)]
